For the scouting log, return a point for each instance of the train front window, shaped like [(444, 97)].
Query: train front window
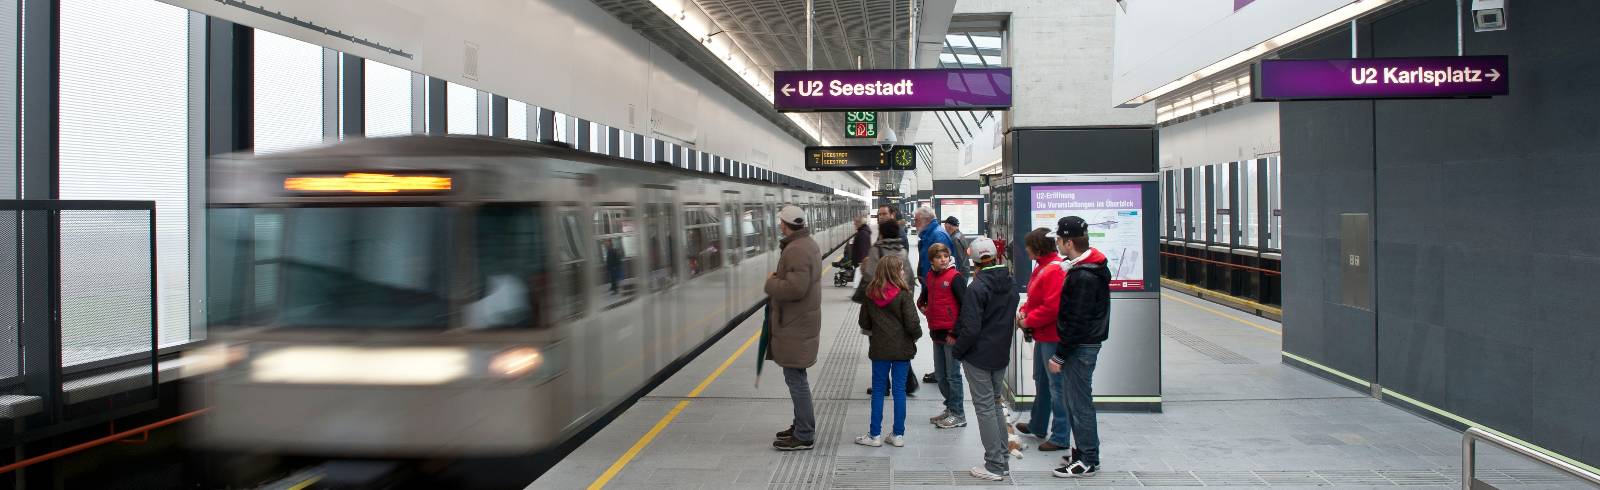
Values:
[(330, 267)]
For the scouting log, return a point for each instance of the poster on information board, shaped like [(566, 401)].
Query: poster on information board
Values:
[(965, 211), (1115, 213)]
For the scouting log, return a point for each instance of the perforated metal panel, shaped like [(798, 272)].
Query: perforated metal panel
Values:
[(124, 127), (10, 311), (105, 285)]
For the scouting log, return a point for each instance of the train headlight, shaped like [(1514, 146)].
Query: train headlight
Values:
[(516, 362), (212, 358)]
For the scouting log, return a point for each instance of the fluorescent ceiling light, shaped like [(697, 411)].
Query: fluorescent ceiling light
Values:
[(1291, 36)]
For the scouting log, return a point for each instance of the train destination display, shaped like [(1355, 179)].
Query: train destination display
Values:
[(1381, 78), (1115, 213), (891, 90), (822, 158)]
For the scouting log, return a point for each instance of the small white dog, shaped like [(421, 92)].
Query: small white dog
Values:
[(1013, 442)]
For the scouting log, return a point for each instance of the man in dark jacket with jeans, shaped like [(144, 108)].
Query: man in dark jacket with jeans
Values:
[(983, 344), (1083, 323)]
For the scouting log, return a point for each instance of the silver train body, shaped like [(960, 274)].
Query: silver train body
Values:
[(360, 305)]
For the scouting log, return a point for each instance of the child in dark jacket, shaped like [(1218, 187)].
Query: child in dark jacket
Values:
[(983, 344), (940, 300), (889, 316)]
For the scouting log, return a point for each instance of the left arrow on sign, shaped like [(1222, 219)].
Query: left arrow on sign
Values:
[(787, 90)]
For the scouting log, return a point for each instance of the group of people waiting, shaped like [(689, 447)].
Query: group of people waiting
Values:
[(972, 313)]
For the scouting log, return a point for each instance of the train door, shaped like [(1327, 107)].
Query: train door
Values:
[(733, 254), (663, 306), (619, 306), (773, 235)]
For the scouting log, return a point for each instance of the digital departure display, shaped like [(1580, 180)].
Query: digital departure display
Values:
[(367, 183), (826, 158)]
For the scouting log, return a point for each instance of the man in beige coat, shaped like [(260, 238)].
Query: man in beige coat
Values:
[(796, 303)]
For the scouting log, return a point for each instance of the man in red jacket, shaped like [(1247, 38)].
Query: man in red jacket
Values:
[(1037, 319)]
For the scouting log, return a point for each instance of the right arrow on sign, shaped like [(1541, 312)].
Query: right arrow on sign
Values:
[(1494, 75)]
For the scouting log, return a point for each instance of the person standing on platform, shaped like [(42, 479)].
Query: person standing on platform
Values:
[(1037, 319), (891, 243), (890, 318), (1083, 324), (983, 344), (952, 227), (944, 289), (929, 233), (796, 307), (861, 244)]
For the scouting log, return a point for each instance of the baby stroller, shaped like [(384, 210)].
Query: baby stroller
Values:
[(844, 272)]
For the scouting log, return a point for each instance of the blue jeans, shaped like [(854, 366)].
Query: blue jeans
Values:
[(1049, 406), (947, 370), (1079, 373), (884, 375)]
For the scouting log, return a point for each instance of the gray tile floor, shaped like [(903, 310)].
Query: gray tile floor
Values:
[(1234, 416)]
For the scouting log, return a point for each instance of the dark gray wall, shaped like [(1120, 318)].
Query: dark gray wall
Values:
[(1487, 226), (1080, 150), (955, 187)]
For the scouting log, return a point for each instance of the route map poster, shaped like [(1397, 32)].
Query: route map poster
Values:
[(1115, 214)]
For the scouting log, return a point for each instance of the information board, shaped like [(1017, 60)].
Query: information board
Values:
[(1115, 213), (965, 210), (841, 158)]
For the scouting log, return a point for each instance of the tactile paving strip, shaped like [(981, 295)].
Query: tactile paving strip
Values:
[(829, 391), (1203, 346)]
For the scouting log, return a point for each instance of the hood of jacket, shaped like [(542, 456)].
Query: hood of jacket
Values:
[(889, 292), (997, 279), (1093, 256), (891, 245)]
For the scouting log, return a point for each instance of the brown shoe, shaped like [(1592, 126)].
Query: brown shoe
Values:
[(1050, 446), (789, 432), (1022, 428)]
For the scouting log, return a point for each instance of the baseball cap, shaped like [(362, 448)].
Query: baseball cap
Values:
[(952, 221), (982, 248), (792, 215), (1072, 226)]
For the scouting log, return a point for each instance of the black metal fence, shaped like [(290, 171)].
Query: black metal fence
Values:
[(78, 283)]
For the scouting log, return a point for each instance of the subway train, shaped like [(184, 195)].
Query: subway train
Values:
[(460, 296)]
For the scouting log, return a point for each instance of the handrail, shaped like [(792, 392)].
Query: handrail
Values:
[(1269, 272), (1468, 457)]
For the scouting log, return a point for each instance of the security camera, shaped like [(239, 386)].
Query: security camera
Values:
[(1488, 15), (886, 140)]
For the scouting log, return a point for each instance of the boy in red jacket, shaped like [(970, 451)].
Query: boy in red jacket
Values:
[(940, 301), (1037, 319)]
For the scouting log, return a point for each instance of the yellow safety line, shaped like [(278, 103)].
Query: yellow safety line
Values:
[(1220, 313), (1207, 293), (306, 484), (628, 456)]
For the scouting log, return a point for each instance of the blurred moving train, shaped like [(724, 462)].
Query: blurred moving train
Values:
[(466, 296)]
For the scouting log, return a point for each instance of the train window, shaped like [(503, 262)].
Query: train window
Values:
[(337, 267), (512, 279), (703, 240), (571, 300), (616, 237), (753, 224), (658, 227)]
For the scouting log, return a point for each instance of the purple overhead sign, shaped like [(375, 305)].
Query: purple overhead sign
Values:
[(1381, 78), (892, 90)]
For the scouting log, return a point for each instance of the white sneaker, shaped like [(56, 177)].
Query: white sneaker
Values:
[(868, 440), (897, 440), (984, 474), (936, 418)]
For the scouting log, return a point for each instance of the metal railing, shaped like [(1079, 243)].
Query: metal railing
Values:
[(1468, 459)]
